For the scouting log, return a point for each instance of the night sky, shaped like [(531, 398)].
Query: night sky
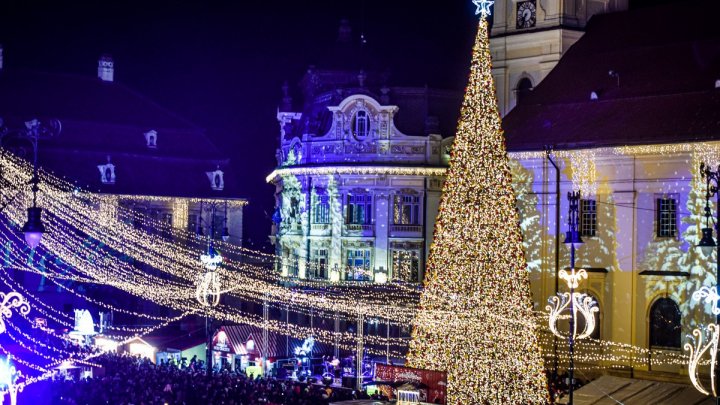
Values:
[(221, 64)]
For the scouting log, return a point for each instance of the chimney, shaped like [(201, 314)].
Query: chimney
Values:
[(286, 100), (105, 68)]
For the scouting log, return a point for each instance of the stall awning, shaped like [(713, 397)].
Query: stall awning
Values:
[(228, 340)]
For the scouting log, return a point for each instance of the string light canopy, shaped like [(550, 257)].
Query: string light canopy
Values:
[(33, 131)]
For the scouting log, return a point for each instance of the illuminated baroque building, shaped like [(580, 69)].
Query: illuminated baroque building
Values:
[(360, 169), (120, 144), (631, 110)]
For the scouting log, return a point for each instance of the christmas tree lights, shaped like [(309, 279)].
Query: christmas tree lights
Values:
[(477, 260)]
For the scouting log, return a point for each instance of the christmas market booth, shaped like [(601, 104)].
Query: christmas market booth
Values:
[(234, 349)]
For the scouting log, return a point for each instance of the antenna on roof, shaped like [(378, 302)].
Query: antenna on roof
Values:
[(616, 75), (363, 40)]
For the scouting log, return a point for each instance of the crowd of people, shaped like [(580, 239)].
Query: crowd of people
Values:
[(558, 385), (131, 380)]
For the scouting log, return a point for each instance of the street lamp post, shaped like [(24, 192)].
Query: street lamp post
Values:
[(208, 288), (707, 244), (34, 131), (572, 237), (572, 301)]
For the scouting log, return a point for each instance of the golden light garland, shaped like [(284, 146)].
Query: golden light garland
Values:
[(180, 267), (359, 170)]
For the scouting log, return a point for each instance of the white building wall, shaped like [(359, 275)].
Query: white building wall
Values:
[(626, 245)]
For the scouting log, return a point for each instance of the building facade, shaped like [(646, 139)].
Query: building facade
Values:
[(356, 196), (529, 37), (630, 135), (127, 149)]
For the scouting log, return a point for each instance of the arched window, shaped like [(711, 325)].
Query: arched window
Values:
[(524, 87), (361, 126), (665, 328), (581, 321)]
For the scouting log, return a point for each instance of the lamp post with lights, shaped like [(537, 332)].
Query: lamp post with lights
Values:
[(207, 290), (707, 244), (33, 131), (572, 301)]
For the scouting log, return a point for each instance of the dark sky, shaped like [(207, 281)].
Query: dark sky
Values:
[(221, 63)]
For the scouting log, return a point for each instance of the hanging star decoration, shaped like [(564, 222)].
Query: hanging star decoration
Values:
[(483, 7)]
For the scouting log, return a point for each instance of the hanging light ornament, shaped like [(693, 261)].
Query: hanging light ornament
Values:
[(697, 346), (582, 303), (9, 301), (207, 291)]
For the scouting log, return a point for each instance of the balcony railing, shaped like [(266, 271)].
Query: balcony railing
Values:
[(406, 228), (359, 227), (320, 227)]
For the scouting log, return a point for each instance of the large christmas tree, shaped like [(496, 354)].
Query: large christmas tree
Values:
[(476, 320)]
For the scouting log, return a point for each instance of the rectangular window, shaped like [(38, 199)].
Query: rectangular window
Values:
[(319, 264), (358, 265), (294, 207), (167, 219), (666, 212), (322, 210), (406, 209), (359, 209), (406, 265), (588, 217), (192, 223), (293, 266), (217, 225)]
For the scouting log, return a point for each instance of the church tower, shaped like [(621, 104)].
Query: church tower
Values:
[(529, 37)]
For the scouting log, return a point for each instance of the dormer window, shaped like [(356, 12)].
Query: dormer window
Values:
[(107, 172), (217, 183), (361, 125), (151, 139)]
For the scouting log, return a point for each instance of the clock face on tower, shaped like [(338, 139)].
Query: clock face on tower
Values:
[(525, 14)]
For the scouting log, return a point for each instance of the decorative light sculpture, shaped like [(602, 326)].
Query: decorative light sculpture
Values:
[(582, 303), (483, 7), (8, 377), (9, 301), (696, 345), (699, 346), (207, 291), (574, 301)]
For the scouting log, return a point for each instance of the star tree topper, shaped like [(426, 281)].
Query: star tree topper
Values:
[(483, 7)]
